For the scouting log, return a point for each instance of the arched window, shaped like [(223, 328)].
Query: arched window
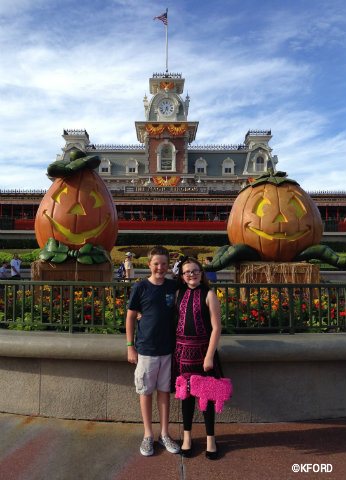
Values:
[(105, 166), (131, 166), (259, 164), (201, 166), (228, 167), (166, 157)]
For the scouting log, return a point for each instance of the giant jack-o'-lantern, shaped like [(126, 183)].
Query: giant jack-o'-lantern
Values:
[(78, 208), (276, 217)]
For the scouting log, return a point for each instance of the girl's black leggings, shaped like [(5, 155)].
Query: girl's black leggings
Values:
[(188, 408)]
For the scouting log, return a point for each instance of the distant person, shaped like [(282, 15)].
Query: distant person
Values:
[(129, 271), (211, 276), (15, 267), (175, 268), (3, 271)]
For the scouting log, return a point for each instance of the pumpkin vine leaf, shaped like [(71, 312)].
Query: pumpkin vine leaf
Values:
[(274, 178), (230, 254), (78, 161), (54, 251), (90, 253), (323, 253), (58, 252)]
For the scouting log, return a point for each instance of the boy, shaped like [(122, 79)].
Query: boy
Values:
[(153, 298)]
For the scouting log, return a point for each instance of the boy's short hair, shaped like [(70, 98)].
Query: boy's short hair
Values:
[(158, 250)]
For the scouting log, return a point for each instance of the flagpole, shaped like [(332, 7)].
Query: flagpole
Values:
[(167, 41)]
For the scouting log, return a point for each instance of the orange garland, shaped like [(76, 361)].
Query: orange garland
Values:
[(166, 182), (155, 128), (173, 128), (177, 129)]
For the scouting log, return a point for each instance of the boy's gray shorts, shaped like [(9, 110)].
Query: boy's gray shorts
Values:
[(153, 373)]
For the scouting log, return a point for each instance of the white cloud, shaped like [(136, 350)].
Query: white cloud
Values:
[(78, 65)]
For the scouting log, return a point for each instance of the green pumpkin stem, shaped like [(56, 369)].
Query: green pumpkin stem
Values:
[(275, 178)]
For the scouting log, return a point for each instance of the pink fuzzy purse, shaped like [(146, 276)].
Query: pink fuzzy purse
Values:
[(218, 390)]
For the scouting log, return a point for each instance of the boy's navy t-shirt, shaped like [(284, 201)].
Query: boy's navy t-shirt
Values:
[(155, 329)]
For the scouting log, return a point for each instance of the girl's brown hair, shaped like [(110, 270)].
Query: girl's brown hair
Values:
[(180, 281)]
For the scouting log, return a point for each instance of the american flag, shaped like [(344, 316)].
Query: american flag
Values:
[(162, 17)]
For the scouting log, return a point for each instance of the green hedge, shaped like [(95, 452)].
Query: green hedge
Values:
[(180, 239), (20, 243), (205, 239)]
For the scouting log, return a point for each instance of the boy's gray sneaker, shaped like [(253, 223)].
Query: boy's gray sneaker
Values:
[(169, 444), (147, 446)]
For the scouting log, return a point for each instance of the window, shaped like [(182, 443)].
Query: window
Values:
[(105, 166), (166, 157), (228, 167), (259, 164), (132, 166), (201, 166)]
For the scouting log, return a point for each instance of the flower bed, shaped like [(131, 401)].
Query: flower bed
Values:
[(305, 309), (101, 308)]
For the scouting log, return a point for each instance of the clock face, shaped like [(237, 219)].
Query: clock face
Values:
[(166, 107)]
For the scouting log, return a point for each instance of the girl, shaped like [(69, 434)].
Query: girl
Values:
[(197, 336)]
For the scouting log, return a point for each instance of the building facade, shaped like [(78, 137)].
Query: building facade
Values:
[(166, 158), (167, 180)]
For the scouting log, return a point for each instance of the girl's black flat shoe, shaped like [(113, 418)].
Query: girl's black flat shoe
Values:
[(212, 455), (186, 452)]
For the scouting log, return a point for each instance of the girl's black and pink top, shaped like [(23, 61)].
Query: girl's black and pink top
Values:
[(193, 330)]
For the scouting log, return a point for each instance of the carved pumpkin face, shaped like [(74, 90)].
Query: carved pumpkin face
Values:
[(77, 210), (277, 221)]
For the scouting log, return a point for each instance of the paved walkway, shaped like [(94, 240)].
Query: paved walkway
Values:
[(53, 449)]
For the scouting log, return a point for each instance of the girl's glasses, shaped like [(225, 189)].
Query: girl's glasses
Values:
[(192, 272)]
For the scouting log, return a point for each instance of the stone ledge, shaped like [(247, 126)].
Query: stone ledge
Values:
[(232, 348)]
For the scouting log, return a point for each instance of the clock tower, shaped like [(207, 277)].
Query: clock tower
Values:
[(166, 133)]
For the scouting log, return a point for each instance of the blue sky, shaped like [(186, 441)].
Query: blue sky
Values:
[(247, 65)]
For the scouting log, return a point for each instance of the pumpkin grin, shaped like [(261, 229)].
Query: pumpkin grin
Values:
[(77, 238), (279, 235)]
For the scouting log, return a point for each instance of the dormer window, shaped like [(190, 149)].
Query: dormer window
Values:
[(228, 167), (259, 164), (105, 166), (132, 166), (201, 166)]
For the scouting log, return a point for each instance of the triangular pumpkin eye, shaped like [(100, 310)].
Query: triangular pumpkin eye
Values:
[(98, 199), (258, 210), (300, 210), (57, 195), (77, 209)]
